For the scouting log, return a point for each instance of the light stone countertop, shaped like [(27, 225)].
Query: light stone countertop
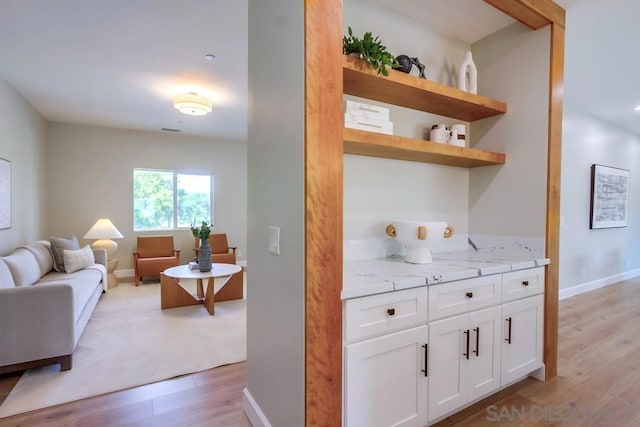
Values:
[(374, 276)]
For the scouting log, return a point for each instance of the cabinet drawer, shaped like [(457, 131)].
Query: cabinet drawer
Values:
[(453, 298), (376, 314), (522, 283)]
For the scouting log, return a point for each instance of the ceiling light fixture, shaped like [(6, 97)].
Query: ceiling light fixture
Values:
[(637, 108), (193, 104)]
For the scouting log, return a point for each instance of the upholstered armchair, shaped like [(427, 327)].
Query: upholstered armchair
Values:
[(154, 255), (220, 249)]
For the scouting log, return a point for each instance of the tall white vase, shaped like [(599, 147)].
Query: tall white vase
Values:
[(468, 70)]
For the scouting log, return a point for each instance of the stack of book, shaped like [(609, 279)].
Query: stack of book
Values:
[(367, 117), (193, 265)]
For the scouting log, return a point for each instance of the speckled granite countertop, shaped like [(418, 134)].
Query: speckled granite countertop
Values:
[(374, 276)]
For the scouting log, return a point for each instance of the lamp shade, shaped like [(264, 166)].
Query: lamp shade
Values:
[(103, 229), (193, 104)]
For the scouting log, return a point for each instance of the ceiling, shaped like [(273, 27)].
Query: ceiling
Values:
[(119, 63)]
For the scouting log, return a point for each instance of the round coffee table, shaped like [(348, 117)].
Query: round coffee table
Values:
[(173, 295)]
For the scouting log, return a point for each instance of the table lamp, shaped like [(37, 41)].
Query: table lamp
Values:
[(104, 230)]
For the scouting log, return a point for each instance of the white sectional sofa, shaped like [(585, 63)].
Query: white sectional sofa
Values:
[(43, 312)]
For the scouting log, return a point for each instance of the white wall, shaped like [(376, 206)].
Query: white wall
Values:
[(22, 142), (275, 284), (379, 191), (510, 200), (589, 255), (593, 258), (91, 176)]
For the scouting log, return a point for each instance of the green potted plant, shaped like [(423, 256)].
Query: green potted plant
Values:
[(202, 232), (369, 49)]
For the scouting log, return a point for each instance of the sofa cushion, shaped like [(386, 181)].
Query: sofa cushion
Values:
[(58, 245), (24, 267), (6, 279), (75, 260), (43, 256), (83, 282)]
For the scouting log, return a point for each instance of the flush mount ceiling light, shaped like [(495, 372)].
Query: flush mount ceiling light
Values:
[(193, 104), (637, 108)]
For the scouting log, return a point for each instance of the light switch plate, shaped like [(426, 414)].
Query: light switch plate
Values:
[(274, 240)]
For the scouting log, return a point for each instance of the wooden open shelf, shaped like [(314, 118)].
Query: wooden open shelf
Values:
[(373, 144), (419, 94)]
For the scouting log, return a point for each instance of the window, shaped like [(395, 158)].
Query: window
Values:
[(167, 200)]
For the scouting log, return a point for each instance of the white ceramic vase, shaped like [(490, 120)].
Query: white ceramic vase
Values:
[(468, 71)]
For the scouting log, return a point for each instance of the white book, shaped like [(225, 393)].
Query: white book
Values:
[(386, 129), (367, 110)]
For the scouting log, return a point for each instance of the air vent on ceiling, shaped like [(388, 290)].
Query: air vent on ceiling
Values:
[(170, 130)]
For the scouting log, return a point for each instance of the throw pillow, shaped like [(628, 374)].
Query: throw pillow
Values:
[(58, 245), (24, 267), (75, 260)]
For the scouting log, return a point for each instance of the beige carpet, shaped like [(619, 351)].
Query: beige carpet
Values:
[(129, 342)]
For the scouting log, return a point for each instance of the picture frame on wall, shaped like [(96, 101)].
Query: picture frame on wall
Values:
[(5, 194), (609, 197)]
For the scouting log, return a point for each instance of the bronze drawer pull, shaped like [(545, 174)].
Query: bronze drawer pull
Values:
[(469, 294), (391, 311)]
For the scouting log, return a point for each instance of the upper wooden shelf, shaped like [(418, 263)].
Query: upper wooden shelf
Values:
[(419, 94), (366, 143)]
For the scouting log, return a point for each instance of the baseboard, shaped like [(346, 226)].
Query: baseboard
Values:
[(597, 284), (124, 273), (253, 411)]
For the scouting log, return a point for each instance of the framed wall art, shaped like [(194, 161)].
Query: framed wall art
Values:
[(609, 197), (5, 194)]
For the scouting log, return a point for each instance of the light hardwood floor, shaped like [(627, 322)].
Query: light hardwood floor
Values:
[(598, 382)]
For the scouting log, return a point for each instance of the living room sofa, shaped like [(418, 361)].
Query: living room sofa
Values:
[(43, 312)]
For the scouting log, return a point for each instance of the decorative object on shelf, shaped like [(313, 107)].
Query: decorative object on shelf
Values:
[(367, 117), (5, 194), (418, 236), (439, 133), (204, 254), (192, 104), (369, 49), (468, 75), (609, 197), (405, 63), (458, 135)]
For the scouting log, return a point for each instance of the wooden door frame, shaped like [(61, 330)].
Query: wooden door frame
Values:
[(323, 195)]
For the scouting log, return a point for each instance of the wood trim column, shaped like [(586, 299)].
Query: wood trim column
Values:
[(556, 83), (535, 14), (323, 212)]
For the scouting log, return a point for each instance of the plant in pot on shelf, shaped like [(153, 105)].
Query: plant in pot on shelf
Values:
[(202, 233), (369, 49)]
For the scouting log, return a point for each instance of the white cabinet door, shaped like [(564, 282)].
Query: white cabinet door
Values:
[(484, 358), (521, 337), (385, 383), (447, 372)]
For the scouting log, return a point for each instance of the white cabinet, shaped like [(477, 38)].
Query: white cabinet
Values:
[(449, 299), (470, 337), (522, 283), (464, 360), (377, 314), (522, 337), (385, 380)]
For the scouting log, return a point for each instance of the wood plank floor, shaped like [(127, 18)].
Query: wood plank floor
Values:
[(598, 382)]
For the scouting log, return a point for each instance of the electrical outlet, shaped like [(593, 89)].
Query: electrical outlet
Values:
[(239, 252)]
